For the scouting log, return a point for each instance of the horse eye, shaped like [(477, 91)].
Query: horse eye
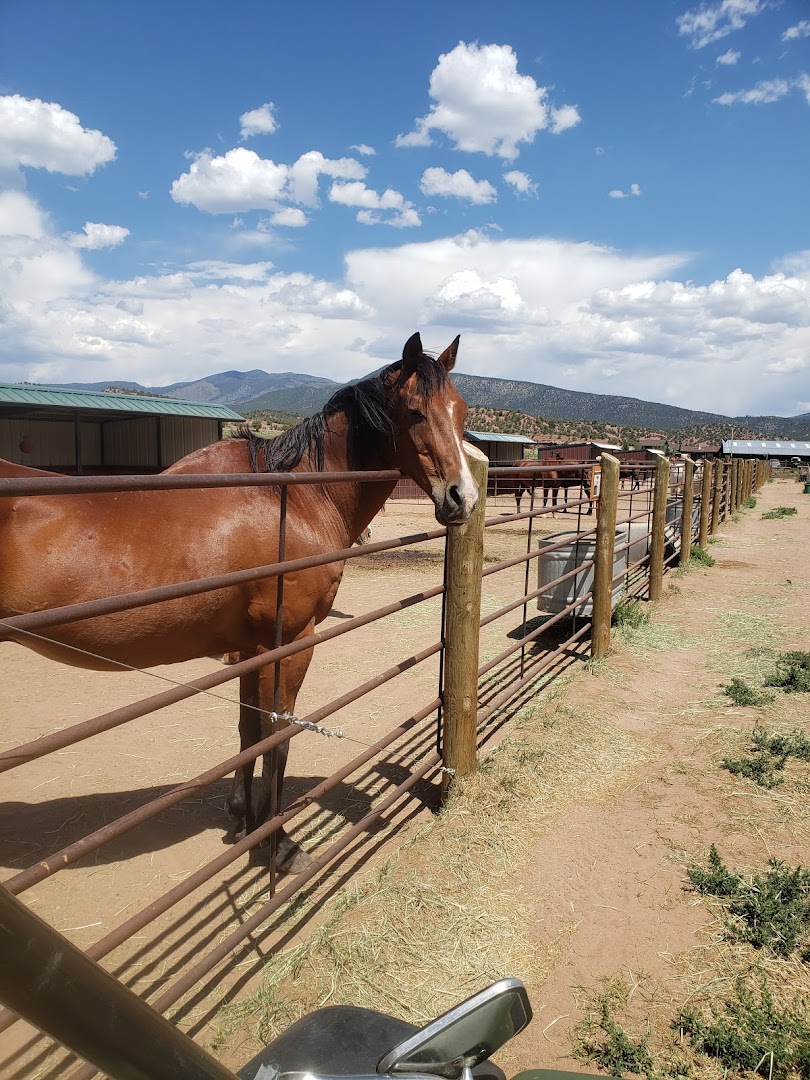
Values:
[(416, 414)]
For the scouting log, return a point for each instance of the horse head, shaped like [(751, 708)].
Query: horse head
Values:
[(428, 418)]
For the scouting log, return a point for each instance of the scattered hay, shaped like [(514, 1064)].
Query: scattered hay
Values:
[(439, 909)]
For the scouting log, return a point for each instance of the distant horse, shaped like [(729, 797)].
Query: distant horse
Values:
[(65, 549), (550, 481)]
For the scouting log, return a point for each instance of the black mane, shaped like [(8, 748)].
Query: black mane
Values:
[(367, 405)]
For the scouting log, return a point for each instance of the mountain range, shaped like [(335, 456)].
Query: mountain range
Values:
[(302, 395)]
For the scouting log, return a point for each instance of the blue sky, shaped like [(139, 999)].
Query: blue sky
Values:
[(604, 196)]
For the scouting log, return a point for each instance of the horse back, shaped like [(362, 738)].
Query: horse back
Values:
[(8, 470)]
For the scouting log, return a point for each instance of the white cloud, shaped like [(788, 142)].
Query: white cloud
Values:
[(362, 148), (306, 171), (800, 30), (484, 105), (42, 135), (564, 118), (291, 217), (358, 195), (521, 182), (407, 218), (788, 365), (728, 58), (617, 193), (712, 22), (458, 185), (802, 82), (261, 121), (98, 236), (240, 180), (20, 216), (552, 311), (764, 93)]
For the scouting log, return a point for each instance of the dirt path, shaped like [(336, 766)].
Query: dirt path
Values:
[(610, 872)]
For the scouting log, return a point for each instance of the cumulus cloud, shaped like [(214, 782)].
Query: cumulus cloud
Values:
[(573, 314), (617, 193), (728, 58), (800, 29), (710, 23), (291, 217), (521, 182), (358, 195), (42, 135), (96, 236), (788, 365), (484, 105), (362, 148), (261, 121), (240, 180), (458, 185), (764, 93)]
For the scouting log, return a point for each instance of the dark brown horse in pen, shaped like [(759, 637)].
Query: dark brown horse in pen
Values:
[(551, 480), (64, 549)]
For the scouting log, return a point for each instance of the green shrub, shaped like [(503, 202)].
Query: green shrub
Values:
[(741, 693), (749, 1032), (630, 612), (771, 912), (779, 512), (792, 673), (749, 503), (769, 754), (700, 555)]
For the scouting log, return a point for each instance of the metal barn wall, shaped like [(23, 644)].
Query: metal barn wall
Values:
[(180, 435), (53, 443), (579, 452), (131, 443), (503, 452)]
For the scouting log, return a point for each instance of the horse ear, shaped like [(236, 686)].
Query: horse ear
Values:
[(411, 353), (448, 357)]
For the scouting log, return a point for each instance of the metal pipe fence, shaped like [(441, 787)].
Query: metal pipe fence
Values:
[(565, 564)]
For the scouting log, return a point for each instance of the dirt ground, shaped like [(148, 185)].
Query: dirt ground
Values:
[(605, 874)]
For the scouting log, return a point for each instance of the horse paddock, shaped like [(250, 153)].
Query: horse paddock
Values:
[(55, 800)]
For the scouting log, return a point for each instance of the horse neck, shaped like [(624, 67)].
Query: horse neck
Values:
[(358, 502)]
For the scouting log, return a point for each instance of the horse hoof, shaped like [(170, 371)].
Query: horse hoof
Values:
[(294, 860)]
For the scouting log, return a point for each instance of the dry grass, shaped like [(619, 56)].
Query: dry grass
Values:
[(445, 908)]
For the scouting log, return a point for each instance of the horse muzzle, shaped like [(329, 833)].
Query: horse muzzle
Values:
[(456, 501)]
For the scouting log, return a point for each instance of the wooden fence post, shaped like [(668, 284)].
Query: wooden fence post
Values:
[(705, 499), (604, 558), (717, 468), (465, 561), (659, 518), (688, 504)]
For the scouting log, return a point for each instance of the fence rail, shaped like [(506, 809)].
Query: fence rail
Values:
[(647, 520)]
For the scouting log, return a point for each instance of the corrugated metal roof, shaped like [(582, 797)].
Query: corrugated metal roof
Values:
[(766, 446), (496, 436), (54, 397)]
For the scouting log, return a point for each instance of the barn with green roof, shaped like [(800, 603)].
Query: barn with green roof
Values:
[(100, 432)]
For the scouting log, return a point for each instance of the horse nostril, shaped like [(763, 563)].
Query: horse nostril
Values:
[(453, 495)]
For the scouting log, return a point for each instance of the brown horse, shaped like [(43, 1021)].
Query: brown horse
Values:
[(549, 481), (64, 549)]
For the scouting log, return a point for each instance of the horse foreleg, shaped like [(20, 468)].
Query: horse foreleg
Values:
[(290, 858), (239, 802)]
